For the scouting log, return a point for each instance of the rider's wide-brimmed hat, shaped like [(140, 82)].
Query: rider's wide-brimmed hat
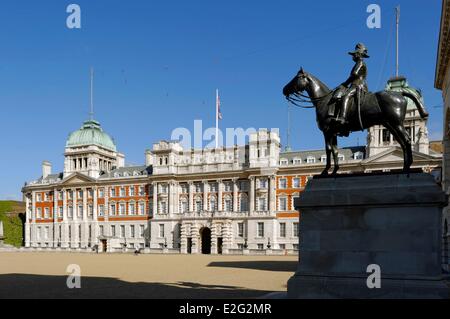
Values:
[(361, 50)]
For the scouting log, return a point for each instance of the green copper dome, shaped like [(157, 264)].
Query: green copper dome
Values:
[(400, 84), (91, 133)]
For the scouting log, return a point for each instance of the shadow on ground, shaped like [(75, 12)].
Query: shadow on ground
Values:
[(270, 265), (43, 286)]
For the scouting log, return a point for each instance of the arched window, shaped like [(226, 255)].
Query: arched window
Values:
[(198, 204), (184, 205), (132, 208), (228, 203), (141, 208), (213, 203)]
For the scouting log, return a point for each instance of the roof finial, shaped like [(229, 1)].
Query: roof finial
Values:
[(91, 113)]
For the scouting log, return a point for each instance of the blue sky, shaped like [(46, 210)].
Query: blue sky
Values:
[(158, 64)]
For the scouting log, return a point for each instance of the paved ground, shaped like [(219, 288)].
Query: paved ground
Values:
[(43, 275)]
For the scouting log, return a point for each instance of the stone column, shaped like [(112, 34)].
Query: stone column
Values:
[(85, 205), (227, 233), (33, 203), (74, 223), (172, 197), (251, 195), (33, 219), (85, 227), (155, 198), (27, 221), (65, 236), (214, 236), (272, 193), (183, 239), (175, 197), (106, 194), (56, 236), (95, 228), (75, 204), (235, 195), (219, 195), (205, 196), (191, 196), (195, 239), (95, 203)]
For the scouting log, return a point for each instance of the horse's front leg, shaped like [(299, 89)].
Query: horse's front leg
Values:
[(328, 151), (334, 149)]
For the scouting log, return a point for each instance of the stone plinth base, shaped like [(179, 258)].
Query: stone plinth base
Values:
[(350, 222)]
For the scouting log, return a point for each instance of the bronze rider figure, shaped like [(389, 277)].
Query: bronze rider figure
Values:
[(355, 85)]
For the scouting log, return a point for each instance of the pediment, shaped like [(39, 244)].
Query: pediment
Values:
[(77, 178), (395, 154)]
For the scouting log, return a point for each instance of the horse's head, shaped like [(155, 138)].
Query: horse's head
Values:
[(297, 85)]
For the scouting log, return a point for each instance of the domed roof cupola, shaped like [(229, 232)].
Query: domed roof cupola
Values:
[(91, 133), (400, 84)]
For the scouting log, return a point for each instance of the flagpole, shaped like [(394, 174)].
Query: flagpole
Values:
[(91, 113), (217, 118), (397, 22)]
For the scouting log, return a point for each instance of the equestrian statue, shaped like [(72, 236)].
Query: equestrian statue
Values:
[(351, 107)]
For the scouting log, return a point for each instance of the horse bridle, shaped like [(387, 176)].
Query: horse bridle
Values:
[(302, 98)]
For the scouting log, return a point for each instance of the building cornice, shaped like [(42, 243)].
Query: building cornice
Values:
[(443, 54)]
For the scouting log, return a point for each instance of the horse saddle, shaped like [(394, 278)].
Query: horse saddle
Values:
[(336, 99), (340, 93)]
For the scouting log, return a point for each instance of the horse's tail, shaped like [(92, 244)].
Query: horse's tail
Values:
[(420, 107)]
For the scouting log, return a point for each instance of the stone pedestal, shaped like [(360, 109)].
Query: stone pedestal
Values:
[(352, 221)]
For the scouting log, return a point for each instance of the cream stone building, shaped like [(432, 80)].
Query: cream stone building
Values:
[(442, 82)]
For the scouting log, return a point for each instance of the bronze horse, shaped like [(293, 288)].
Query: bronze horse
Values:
[(381, 108)]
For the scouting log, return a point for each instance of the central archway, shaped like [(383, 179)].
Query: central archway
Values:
[(205, 234)]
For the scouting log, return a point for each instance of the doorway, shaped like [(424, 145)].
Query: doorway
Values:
[(205, 234), (189, 245), (219, 245), (104, 245)]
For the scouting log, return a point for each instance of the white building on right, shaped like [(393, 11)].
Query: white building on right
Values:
[(442, 82)]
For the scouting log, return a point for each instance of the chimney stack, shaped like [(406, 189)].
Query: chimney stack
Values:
[(148, 158), (46, 169)]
